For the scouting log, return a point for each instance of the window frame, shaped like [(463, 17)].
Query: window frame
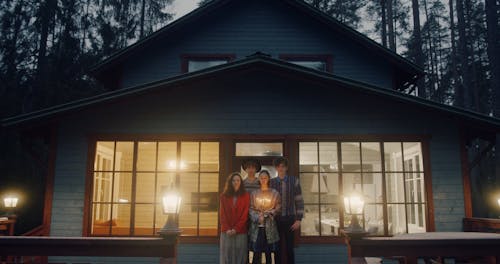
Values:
[(185, 58), (326, 58), (290, 150), (89, 182)]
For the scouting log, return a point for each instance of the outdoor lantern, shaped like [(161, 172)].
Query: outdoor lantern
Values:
[(171, 202), (354, 205), (10, 202)]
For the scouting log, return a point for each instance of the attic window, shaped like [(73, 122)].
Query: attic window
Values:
[(191, 63), (316, 62)]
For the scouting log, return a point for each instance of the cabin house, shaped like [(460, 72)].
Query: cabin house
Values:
[(261, 78)]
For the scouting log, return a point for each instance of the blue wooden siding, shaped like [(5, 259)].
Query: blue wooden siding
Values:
[(246, 27), (248, 106)]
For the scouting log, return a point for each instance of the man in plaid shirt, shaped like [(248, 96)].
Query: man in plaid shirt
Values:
[(292, 208)]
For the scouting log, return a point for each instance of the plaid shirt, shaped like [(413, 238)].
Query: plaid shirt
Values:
[(292, 203)]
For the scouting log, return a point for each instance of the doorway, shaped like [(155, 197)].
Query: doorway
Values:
[(264, 152)]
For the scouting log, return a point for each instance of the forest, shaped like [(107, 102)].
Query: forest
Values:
[(48, 46)]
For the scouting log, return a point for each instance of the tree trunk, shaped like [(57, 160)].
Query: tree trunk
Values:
[(47, 11), (390, 20), (463, 99), (454, 70), (417, 37), (384, 23), (143, 7)]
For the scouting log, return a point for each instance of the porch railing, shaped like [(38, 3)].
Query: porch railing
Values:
[(439, 245), (13, 247), (488, 225)]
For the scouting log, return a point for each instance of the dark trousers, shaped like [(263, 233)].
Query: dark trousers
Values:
[(262, 247), (287, 240)]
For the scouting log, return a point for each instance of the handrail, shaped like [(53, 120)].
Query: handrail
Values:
[(163, 247), (87, 246), (475, 224), (40, 230), (433, 244)]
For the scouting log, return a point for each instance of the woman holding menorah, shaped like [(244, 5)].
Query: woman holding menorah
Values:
[(263, 233)]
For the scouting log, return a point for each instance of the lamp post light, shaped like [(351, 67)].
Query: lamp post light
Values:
[(171, 202), (354, 205), (10, 204)]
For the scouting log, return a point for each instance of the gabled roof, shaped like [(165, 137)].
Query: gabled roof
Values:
[(257, 62), (408, 71)]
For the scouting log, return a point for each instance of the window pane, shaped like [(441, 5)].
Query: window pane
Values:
[(416, 218), (328, 156), (190, 156), (209, 223), (350, 157), (145, 188), (329, 187), (101, 219), (195, 65), (188, 186), (161, 218), (413, 156), (188, 219), (374, 219), (209, 182), (414, 187), (310, 187), (164, 181), (308, 156), (329, 220), (167, 156), (120, 225), (124, 156), (146, 156), (372, 187), (396, 219), (104, 155), (310, 223), (102, 186), (259, 149), (372, 158), (394, 188), (209, 157), (316, 65), (144, 215), (123, 187), (351, 182), (393, 156)]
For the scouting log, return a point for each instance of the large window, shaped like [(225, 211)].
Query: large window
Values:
[(389, 175), (129, 178)]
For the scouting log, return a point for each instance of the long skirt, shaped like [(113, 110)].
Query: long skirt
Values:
[(233, 249)]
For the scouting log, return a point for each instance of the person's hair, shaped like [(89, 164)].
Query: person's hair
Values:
[(265, 172), (229, 189), (280, 160)]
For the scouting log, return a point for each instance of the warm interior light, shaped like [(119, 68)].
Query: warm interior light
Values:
[(10, 201), (498, 201), (354, 204), (171, 203), (172, 164)]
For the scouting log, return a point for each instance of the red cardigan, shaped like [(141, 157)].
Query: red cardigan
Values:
[(234, 216)]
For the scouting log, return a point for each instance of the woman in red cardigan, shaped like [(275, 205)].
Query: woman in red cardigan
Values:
[(234, 205)]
